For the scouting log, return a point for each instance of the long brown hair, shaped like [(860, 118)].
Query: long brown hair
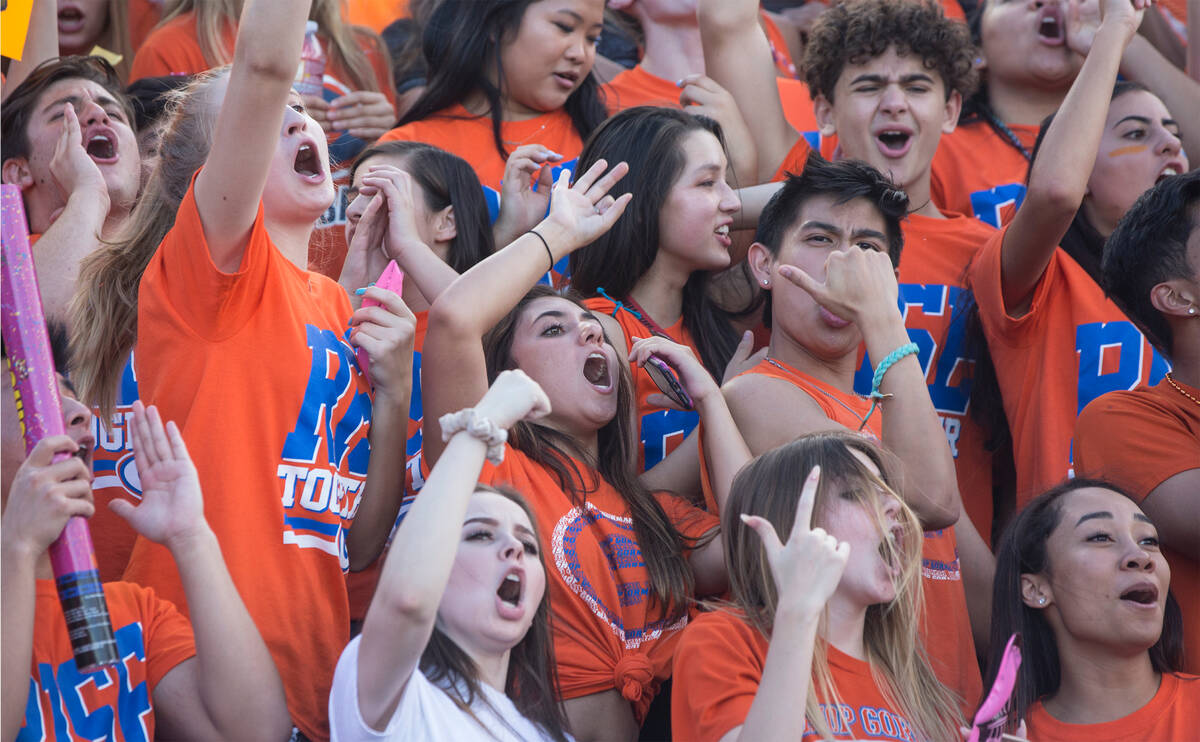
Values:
[(215, 17), (532, 681), (104, 309), (660, 543), (769, 487)]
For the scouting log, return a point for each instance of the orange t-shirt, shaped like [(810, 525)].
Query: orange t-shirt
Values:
[(361, 585), (719, 665), (174, 49), (979, 173), (115, 477), (606, 633), (780, 54), (945, 625), (459, 132), (1139, 439), (637, 87), (933, 274), (256, 370), (662, 429), (144, 15), (1173, 715), (1072, 346), (116, 703), (374, 14), (797, 156)]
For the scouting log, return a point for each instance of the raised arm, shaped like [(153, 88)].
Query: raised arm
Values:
[(737, 56), (41, 43), (231, 690), (1059, 176), (230, 186), (453, 369), (807, 570), (404, 609)]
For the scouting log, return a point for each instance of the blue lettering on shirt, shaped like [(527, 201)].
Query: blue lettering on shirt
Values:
[(63, 686), (663, 430), (1098, 344), (988, 205)]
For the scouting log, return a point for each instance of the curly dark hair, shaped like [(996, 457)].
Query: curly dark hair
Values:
[(860, 30)]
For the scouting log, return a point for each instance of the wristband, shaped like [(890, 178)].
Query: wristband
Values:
[(545, 244), (479, 427), (908, 349)]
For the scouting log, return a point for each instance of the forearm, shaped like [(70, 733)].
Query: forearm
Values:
[(402, 613), (737, 56), (1059, 175), (725, 450), (978, 571), (912, 429), (754, 199), (1181, 94), (41, 43), (423, 267), (779, 705), (19, 587), (239, 685), (483, 295), (379, 503), (73, 236)]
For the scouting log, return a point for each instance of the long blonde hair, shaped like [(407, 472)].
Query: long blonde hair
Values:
[(215, 17), (770, 487), (104, 308)]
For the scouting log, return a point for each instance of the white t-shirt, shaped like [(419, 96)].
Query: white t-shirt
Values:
[(425, 712)]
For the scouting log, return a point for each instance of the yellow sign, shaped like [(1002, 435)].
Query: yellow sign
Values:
[(14, 25)]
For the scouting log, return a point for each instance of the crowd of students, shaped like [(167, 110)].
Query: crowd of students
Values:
[(759, 369)]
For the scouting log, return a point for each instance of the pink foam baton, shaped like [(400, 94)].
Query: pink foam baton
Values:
[(391, 279), (39, 414), (993, 715)]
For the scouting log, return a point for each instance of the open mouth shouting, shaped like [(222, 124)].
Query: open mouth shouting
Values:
[(308, 163), (510, 593), (1050, 29), (894, 141), (597, 372), (100, 142), (891, 546), (70, 20), (1174, 167)]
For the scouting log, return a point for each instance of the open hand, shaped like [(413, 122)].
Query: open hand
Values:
[(808, 568), (172, 507), (584, 210), (73, 169), (365, 256)]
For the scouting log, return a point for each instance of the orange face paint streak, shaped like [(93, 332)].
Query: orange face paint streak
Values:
[(1133, 149)]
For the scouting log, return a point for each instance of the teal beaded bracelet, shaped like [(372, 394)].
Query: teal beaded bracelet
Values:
[(908, 349)]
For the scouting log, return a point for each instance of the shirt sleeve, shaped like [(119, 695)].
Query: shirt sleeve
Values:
[(212, 303), (984, 277), (1127, 438), (168, 636), (691, 522), (716, 675)]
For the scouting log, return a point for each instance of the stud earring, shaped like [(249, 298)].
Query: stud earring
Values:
[(765, 283), (1191, 310), (1042, 600)]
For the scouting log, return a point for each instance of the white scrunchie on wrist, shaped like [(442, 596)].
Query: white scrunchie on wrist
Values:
[(479, 427)]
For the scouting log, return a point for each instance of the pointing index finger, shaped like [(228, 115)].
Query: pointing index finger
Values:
[(808, 496)]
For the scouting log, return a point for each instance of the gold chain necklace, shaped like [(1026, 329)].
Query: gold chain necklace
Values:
[(1180, 389)]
